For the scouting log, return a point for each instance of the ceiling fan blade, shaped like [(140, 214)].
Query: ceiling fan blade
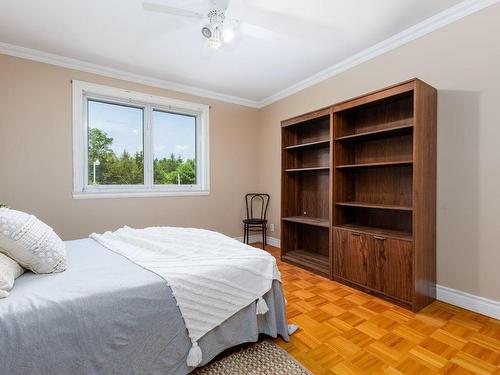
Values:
[(160, 8), (257, 32), (284, 25)]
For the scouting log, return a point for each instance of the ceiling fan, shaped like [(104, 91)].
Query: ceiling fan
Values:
[(217, 30), (227, 18)]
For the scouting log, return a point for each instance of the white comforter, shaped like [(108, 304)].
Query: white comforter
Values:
[(211, 276)]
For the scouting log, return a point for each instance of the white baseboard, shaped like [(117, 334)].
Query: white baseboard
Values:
[(258, 238), (454, 297), (468, 301)]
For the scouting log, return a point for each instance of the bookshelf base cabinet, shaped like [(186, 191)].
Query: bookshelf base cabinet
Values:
[(380, 265), (359, 193)]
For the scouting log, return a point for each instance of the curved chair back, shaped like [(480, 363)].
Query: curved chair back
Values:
[(257, 204)]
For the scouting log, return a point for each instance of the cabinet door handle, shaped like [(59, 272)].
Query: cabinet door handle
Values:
[(355, 233), (381, 238)]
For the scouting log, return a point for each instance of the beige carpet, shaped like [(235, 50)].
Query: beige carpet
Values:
[(263, 357)]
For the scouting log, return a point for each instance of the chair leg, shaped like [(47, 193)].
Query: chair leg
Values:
[(245, 234), (263, 236)]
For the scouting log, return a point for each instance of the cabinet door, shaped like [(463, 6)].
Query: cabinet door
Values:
[(393, 273), (351, 256)]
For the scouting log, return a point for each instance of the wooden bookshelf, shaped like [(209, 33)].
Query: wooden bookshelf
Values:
[(306, 180), (359, 192), (383, 231)]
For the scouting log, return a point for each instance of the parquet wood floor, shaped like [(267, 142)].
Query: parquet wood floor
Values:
[(345, 331)]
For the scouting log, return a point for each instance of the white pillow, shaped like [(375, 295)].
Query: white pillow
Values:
[(30, 242), (9, 271)]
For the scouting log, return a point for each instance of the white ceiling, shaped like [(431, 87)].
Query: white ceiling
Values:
[(287, 41)]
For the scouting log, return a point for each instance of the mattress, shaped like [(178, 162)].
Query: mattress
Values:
[(106, 315)]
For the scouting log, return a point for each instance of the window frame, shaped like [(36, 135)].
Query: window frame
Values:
[(83, 91)]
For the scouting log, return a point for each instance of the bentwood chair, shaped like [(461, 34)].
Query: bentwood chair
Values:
[(256, 204)]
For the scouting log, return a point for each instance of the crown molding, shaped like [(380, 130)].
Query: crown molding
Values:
[(433, 23), (70, 63)]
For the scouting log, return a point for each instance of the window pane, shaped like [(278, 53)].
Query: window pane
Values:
[(115, 144), (174, 160)]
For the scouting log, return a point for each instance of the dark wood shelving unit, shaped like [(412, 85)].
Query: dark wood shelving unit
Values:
[(383, 231), (359, 192), (306, 180)]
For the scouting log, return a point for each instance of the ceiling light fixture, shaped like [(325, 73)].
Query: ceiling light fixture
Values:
[(215, 31), (207, 31), (215, 40)]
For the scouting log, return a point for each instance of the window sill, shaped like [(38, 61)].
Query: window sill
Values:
[(137, 194)]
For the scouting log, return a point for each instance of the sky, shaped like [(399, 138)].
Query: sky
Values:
[(173, 133)]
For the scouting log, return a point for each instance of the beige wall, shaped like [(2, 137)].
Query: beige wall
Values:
[(36, 172), (462, 61)]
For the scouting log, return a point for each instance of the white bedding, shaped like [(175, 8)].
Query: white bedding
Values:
[(211, 276)]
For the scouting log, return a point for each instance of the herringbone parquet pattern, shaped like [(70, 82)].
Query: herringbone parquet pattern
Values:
[(345, 331)]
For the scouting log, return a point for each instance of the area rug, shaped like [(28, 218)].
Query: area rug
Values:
[(264, 357)]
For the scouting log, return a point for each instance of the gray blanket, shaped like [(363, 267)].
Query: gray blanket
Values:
[(106, 315)]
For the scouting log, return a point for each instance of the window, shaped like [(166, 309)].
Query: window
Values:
[(115, 144), (131, 144), (174, 148)]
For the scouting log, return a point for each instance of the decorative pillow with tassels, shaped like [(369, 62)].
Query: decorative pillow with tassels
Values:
[(30, 242)]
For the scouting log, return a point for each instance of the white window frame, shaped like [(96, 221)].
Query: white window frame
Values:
[(83, 91)]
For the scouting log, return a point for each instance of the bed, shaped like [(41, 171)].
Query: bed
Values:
[(107, 315)]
